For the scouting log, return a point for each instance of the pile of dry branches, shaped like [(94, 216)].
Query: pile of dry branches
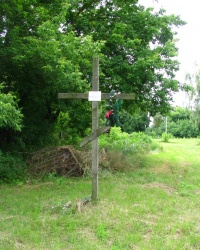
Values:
[(64, 160)]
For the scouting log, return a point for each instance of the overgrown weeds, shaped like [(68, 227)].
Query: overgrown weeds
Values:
[(166, 137), (125, 152)]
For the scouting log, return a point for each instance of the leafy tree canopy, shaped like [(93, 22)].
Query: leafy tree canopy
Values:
[(47, 46), (139, 50)]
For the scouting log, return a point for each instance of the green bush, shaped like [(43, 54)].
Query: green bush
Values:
[(12, 168), (166, 137), (151, 133), (10, 114), (125, 151), (126, 143), (179, 124)]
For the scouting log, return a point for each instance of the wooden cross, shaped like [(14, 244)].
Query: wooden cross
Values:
[(95, 96)]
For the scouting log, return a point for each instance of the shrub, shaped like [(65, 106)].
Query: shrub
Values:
[(126, 143), (166, 137), (115, 161), (125, 151), (12, 168)]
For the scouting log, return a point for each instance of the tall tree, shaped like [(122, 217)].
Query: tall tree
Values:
[(47, 46), (193, 81), (38, 60), (139, 48)]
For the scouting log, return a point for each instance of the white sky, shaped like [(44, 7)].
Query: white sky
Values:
[(188, 35)]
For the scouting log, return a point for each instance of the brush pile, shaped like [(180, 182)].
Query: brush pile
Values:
[(63, 161)]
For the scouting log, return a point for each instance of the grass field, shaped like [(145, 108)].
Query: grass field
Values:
[(156, 206)]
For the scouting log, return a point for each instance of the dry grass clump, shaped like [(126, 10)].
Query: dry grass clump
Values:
[(115, 161)]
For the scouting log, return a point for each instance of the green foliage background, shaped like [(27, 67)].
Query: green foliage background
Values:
[(47, 47), (10, 114), (179, 123)]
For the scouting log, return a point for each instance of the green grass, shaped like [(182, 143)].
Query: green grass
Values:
[(153, 207)]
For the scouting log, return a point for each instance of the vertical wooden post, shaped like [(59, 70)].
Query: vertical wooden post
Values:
[(166, 124), (95, 122)]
